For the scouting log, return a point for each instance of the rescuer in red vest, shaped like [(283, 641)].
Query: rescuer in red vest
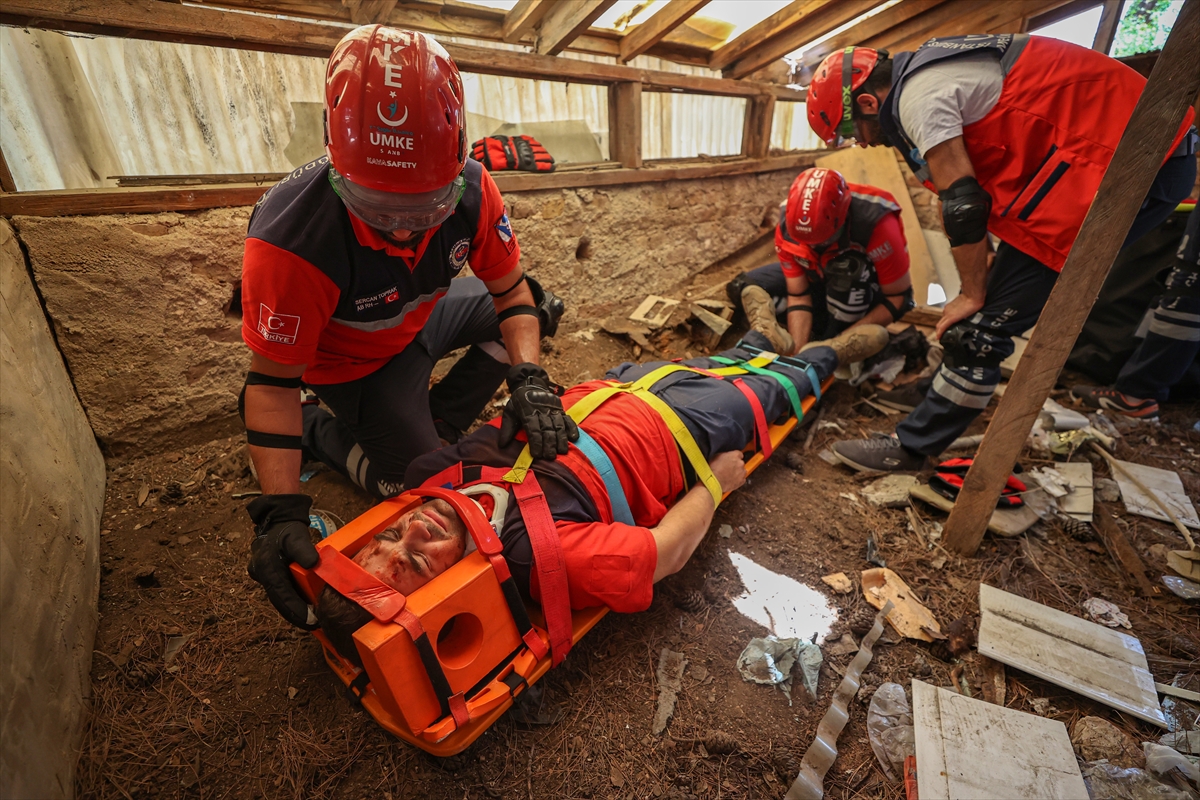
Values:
[(1014, 132), (843, 261), (351, 282)]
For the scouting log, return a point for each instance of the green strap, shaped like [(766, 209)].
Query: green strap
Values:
[(783, 380)]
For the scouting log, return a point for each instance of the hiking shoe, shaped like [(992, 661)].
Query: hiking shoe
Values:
[(1102, 397), (905, 398), (854, 344), (760, 312), (878, 454)]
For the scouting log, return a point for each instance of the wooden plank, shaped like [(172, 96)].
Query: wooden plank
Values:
[(1027, 756), (876, 166), (1121, 551), (872, 26), (1106, 31), (625, 124), (923, 315), (152, 199), (1166, 486), (782, 20), (7, 184), (565, 21), (1092, 660), (756, 126), (1155, 119), (821, 22), (523, 18), (651, 32), (958, 17), (214, 27)]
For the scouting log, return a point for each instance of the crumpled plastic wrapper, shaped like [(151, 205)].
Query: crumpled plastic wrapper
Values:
[(1106, 613), (1160, 760), (770, 661), (890, 729), (1104, 780)]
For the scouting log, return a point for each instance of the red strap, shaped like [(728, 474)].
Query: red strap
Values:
[(382, 601), (551, 566), (452, 475), (760, 418), (458, 707), (535, 644)]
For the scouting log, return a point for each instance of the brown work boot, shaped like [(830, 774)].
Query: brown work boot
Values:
[(760, 311), (854, 344)]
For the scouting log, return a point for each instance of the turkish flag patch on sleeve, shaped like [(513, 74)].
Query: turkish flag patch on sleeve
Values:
[(279, 328)]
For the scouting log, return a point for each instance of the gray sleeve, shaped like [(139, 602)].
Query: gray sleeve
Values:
[(940, 99)]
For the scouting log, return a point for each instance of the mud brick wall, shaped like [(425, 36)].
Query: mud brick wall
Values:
[(140, 303)]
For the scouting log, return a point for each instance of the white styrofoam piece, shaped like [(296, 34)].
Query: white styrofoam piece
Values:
[(1165, 484), (1095, 661), (1079, 501), (973, 750)]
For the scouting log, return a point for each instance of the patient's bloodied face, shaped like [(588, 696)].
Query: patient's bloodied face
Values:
[(416, 548)]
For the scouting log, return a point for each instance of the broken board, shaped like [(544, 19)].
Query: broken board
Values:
[(1166, 486), (1026, 756), (1078, 502), (1004, 521), (876, 166), (1095, 661)]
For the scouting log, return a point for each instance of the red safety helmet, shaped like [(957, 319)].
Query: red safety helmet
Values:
[(395, 128), (817, 205), (830, 95)]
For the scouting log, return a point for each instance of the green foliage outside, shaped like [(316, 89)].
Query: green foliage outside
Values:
[(1144, 26)]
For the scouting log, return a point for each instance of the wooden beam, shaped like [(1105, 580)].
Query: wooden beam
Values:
[(565, 21), (7, 184), (522, 19), (820, 22), (869, 27), (1106, 31), (1171, 88), (625, 124), (649, 33), (191, 24), (756, 126), (961, 16), (154, 199), (782, 20), (369, 12)]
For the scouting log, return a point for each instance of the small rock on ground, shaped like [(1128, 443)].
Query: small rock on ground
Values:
[(1095, 738)]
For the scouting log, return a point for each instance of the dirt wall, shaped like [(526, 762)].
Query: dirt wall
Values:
[(51, 496), (140, 303)]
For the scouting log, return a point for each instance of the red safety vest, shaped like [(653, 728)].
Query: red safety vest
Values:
[(1042, 151)]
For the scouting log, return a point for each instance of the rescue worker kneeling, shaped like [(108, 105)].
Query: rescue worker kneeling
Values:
[(608, 562)]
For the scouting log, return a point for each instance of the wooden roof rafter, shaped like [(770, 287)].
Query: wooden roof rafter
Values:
[(870, 27), (565, 21), (649, 33)]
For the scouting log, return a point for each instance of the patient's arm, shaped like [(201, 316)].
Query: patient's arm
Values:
[(681, 530)]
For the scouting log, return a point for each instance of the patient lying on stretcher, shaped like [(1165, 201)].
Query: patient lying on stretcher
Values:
[(666, 509)]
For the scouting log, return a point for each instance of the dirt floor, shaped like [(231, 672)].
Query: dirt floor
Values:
[(200, 690)]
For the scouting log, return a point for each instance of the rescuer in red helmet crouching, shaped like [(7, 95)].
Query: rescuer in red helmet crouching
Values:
[(1014, 132), (347, 284), (843, 262)]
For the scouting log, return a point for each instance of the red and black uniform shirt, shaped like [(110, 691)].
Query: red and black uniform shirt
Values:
[(608, 563), (873, 226), (322, 288)]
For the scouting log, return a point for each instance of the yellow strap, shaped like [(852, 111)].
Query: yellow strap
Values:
[(640, 389)]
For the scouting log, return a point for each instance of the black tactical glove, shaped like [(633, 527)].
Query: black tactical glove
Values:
[(282, 536), (535, 406)]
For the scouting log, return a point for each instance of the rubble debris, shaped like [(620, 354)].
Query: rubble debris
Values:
[(1186, 563), (841, 646), (873, 556), (889, 492), (1161, 760), (1109, 781), (1106, 613), (711, 326), (143, 493), (1154, 493), (995, 682), (662, 308), (1106, 490), (809, 784), (909, 617), (1026, 756), (174, 645), (1182, 587), (1122, 552), (770, 660), (1090, 659), (725, 531), (1055, 417), (1095, 738), (1175, 691), (959, 637), (670, 681), (890, 729), (839, 582)]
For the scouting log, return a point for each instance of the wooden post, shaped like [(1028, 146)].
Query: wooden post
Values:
[(1171, 88), (625, 123), (1106, 31), (756, 127)]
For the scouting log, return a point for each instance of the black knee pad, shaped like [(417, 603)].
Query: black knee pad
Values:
[(733, 289), (968, 346), (550, 308)]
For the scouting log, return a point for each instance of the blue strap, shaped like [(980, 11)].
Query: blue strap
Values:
[(603, 464), (795, 363)]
